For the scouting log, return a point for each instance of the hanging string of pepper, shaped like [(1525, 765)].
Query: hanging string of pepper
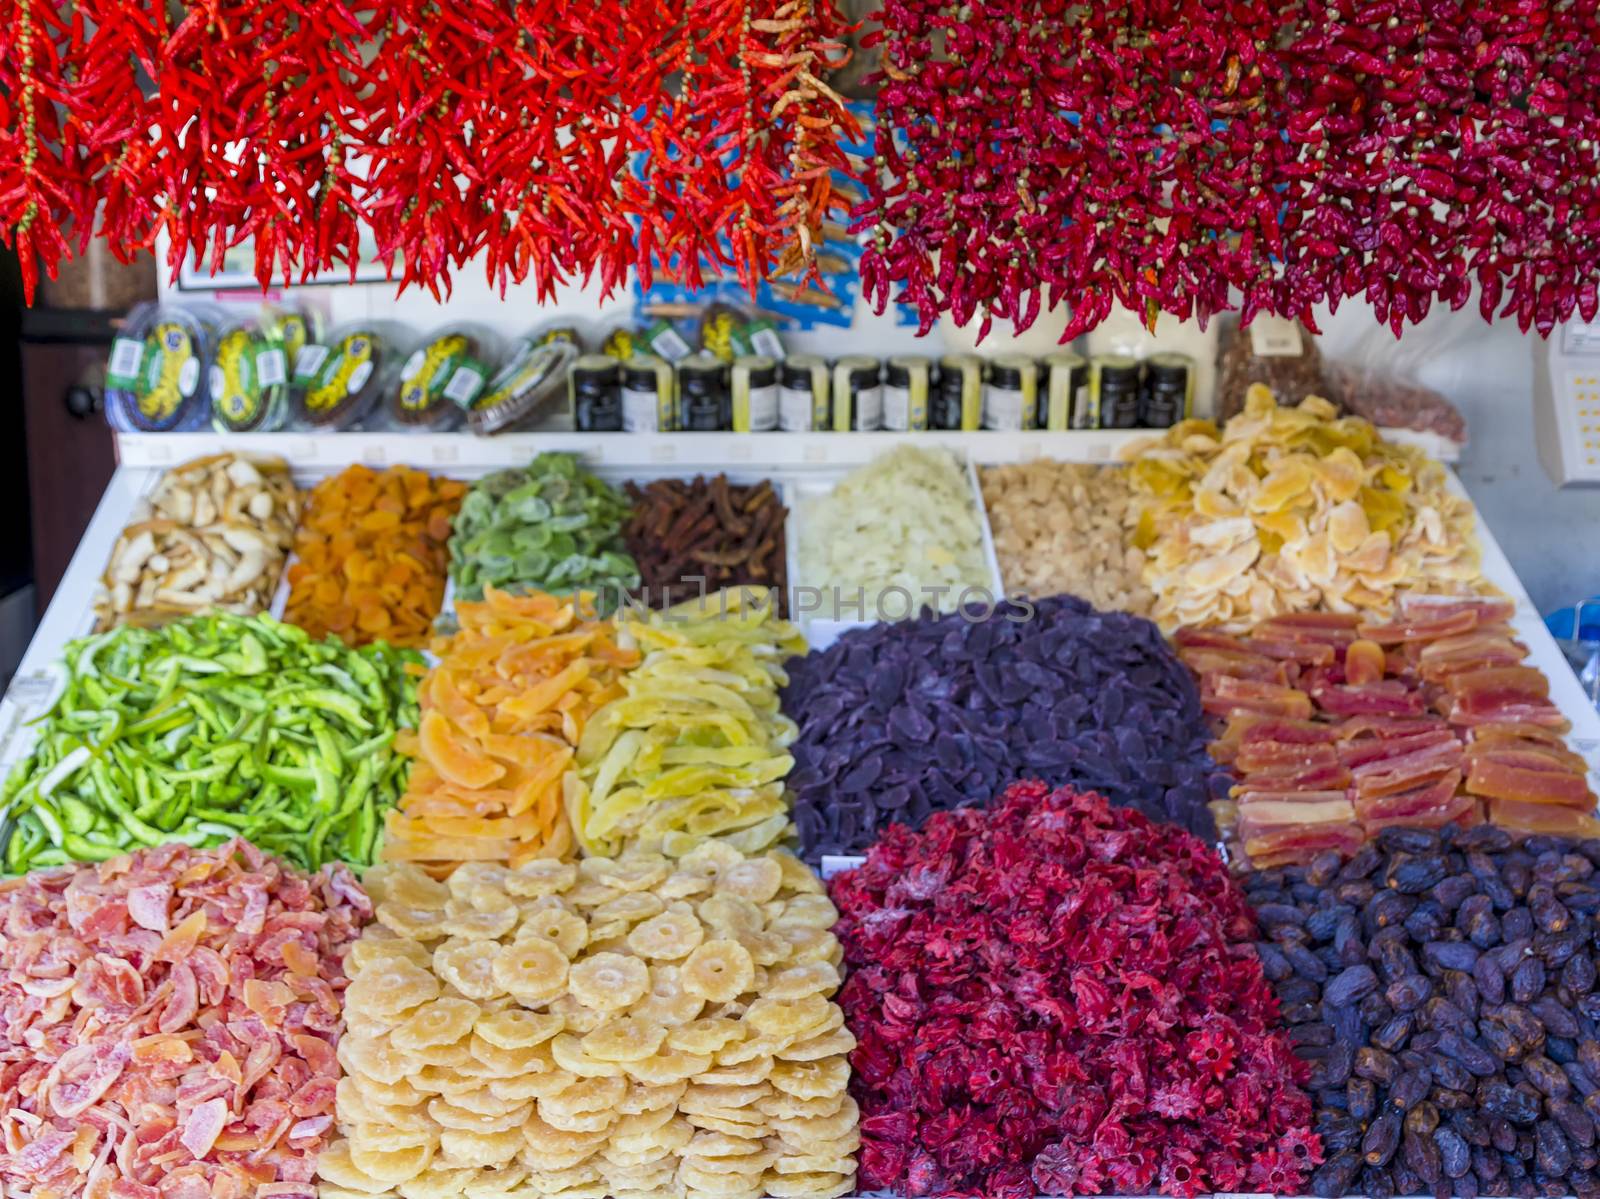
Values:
[(552, 140), (1183, 157)]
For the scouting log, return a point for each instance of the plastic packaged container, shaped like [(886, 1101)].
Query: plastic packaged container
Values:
[(533, 372), (249, 381), (439, 381), (158, 377), (341, 377)]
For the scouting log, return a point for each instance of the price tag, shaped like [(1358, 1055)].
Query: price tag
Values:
[(270, 368), (308, 362), (126, 356), (1275, 337)]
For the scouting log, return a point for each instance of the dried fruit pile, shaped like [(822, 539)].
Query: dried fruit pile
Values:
[(1442, 987), (209, 728), (693, 538), (1338, 727), (901, 720), (370, 555), (213, 534), (175, 1020), (1055, 996), (626, 1026), (1291, 510), (903, 532), (501, 715), (696, 746), (551, 527), (1061, 527)]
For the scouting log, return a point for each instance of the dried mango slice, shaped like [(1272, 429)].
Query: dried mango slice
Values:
[(696, 747), (371, 555)]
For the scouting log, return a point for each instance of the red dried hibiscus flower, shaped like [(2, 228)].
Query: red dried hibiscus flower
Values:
[(1054, 996)]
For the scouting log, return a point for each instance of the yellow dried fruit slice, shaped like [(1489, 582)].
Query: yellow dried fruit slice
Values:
[(625, 1039), (335, 1165), (710, 1097), (807, 911), (718, 971), (708, 1145), (373, 1057), (580, 1020), (668, 936), (645, 1097), (540, 877), (827, 1044), (810, 945), (706, 1035), (719, 1186), (455, 1057), (779, 1106), (509, 1063), (788, 1018), (517, 1028), (391, 1166), (750, 1049), (370, 950), (589, 894), (483, 1149), (811, 1080), (532, 969), (449, 1116), (808, 1186), (797, 876), (629, 908), (422, 924), (580, 1122), (631, 872), (765, 948), (803, 1129), (434, 1183), (684, 885), (669, 1137), (667, 1003), (482, 925), (532, 1086), (755, 879), (664, 1068), (643, 1122), (468, 966), (567, 1050), (797, 982), (438, 1022), (392, 986), (741, 1074), (567, 931), (609, 982), (730, 915)]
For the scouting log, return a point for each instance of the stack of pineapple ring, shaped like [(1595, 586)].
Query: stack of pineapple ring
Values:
[(631, 1027)]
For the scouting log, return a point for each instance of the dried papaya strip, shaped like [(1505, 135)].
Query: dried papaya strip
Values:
[(372, 555)]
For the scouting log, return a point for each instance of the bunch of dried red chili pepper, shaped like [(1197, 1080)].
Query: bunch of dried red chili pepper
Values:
[(1182, 156), (560, 141)]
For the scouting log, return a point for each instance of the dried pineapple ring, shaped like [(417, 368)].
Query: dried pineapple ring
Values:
[(421, 924), (684, 885), (532, 969), (707, 1145), (807, 911), (730, 915), (740, 1074), (470, 876), (802, 1129), (664, 1068), (809, 1186), (492, 1184), (480, 1100), (755, 879), (509, 1063), (468, 966), (373, 1057), (326, 1190), (834, 1041), (667, 937), (750, 1164), (392, 986), (391, 1166), (466, 921), (643, 1122), (645, 1097), (517, 1028), (711, 1097), (549, 1141), (608, 936), (636, 1159), (632, 872), (719, 1186), (630, 908), (667, 1003), (447, 1115), (580, 1020), (779, 1106), (438, 1022), (410, 886), (483, 1149), (585, 1122), (568, 931), (539, 877), (815, 1163), (709, 857), (371, 1092), (797, 876), (669, 1137), (797, 982), (609, 982), (455, 1057), (370, 950), (811, 945), (335, 1165), (623, 1040), (718, 971), (435, 1183), (590, 894), (547, 1181), (811, 1080), (766, 948), (705, 1036), (531, 1086), (788, 1018), (567, 1050)]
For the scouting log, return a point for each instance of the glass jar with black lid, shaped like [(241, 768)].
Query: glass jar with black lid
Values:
[(596, 382), (704, 402)]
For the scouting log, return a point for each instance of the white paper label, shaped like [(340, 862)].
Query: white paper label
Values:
[(767, 341), (897, 409), (640, 413), (126, 356), (669, 345), (868, 413), (359, 377), (1002, 409), (794, 410), (269, 368), (413, 365), (188, 376), (763, 409), (464, 385), (1274, 337), (309, 361)]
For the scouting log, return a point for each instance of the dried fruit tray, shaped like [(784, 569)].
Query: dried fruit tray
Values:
[(800, 464)]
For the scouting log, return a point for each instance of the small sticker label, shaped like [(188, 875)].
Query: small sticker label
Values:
[(308, 362), (413, 365), (1274, 337), (123, 369), (668, 342), (269, 368), (766, 341), (897, 409), (359, 377), (188, 376), (464, 386), (763, 409)]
